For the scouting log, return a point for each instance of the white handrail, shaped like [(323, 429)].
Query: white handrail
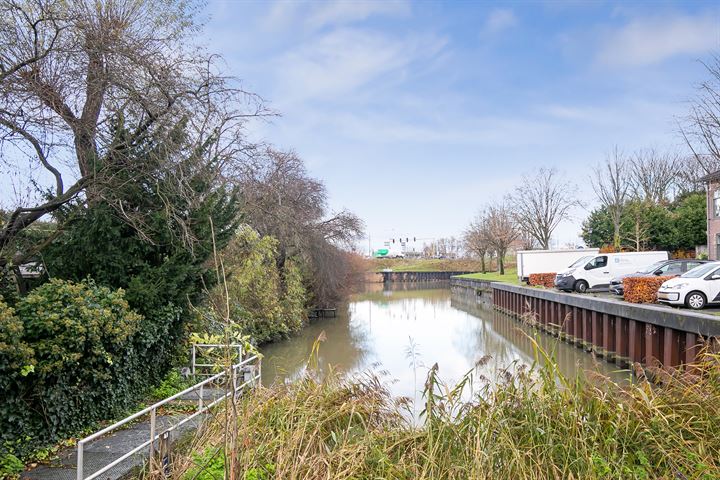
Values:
[(152, 409)]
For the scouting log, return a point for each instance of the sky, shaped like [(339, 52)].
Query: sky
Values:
[(415, 114)]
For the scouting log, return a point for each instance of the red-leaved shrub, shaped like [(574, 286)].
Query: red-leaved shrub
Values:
[(642, 289), (542, 279)]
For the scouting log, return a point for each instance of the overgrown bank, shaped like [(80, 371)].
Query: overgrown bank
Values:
[(137, 172), (525, 424)]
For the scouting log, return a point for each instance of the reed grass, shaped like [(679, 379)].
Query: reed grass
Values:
[(528, 423)]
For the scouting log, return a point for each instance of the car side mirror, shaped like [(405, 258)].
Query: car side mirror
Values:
[(658, 272)]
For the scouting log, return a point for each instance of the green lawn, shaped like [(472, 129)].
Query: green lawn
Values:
[(509, 277)]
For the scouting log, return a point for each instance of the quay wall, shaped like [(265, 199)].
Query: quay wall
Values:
[(619, 332)]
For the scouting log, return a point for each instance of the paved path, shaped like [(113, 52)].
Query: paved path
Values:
[(104, 450)]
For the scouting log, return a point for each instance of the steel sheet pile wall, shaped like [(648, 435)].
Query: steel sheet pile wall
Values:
[(619, 332), (389, 277), (477, 291)]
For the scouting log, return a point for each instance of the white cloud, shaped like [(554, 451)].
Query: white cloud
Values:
[(317, 15), (651, 40), (344, 60), (344, 12), (498, 20)]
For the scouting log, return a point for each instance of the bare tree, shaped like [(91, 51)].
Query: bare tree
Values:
[(702, 126), (612, 182), (526, 240), (281, 199), (654, 175), (688, 176), (502, 231), (541, 202), (477, 238), (83, 82)]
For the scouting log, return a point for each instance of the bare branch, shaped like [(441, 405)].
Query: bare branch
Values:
[(541, 202), (612, 182)]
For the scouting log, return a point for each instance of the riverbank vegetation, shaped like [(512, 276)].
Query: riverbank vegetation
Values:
[(524, 423), (142, 194)]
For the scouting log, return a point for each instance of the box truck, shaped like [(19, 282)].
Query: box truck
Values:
[(595, 273), (549, 261)]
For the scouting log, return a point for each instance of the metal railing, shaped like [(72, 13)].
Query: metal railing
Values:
[(197, 349), (250, 368)]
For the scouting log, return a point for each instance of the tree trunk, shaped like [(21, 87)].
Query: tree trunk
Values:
[(616, 237), (545, 244), (501, 263), (482, 262)]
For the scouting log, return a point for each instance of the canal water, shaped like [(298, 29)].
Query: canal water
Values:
[(400, 331)]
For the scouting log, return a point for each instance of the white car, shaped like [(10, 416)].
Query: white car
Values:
[(695, 288)]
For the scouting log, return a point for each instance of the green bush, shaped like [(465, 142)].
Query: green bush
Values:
[(267, 302), (210, 465), (66, 360), (172, 383), (10, 466)]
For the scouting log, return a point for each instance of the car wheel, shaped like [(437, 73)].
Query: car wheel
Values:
[(695, 300), (581, 286)]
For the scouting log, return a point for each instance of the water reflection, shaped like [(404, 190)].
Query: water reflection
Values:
[(406, 329)]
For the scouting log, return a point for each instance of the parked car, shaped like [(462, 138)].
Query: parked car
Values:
[(596, 273), (668, 268), (695, 289)]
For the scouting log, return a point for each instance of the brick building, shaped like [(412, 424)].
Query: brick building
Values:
[(712, 184)]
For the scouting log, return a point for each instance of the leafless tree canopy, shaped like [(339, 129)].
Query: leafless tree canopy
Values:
[(702, 127), (502, 230), (612, 182), (654, 175), (73, 74), (688, 175), (281, 199), (541, 202), (477, 238)]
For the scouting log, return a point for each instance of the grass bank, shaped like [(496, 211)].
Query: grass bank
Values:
[(525, 424), (424, 265), (510, 276)]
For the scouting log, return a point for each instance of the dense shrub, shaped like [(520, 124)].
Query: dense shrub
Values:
[(265, 301), (66, 360), (642, 289), (679, 225), (542, 279), (294, 296)]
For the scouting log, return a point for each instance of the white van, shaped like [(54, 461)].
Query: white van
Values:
[(546, 261), (594, 273)]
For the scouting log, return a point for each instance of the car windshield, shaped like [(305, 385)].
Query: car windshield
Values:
[(698, 272), (582, 261), (653, 267)]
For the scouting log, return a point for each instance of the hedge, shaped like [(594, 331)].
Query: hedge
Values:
[(642, 289), (542, 279), (68, 358)]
